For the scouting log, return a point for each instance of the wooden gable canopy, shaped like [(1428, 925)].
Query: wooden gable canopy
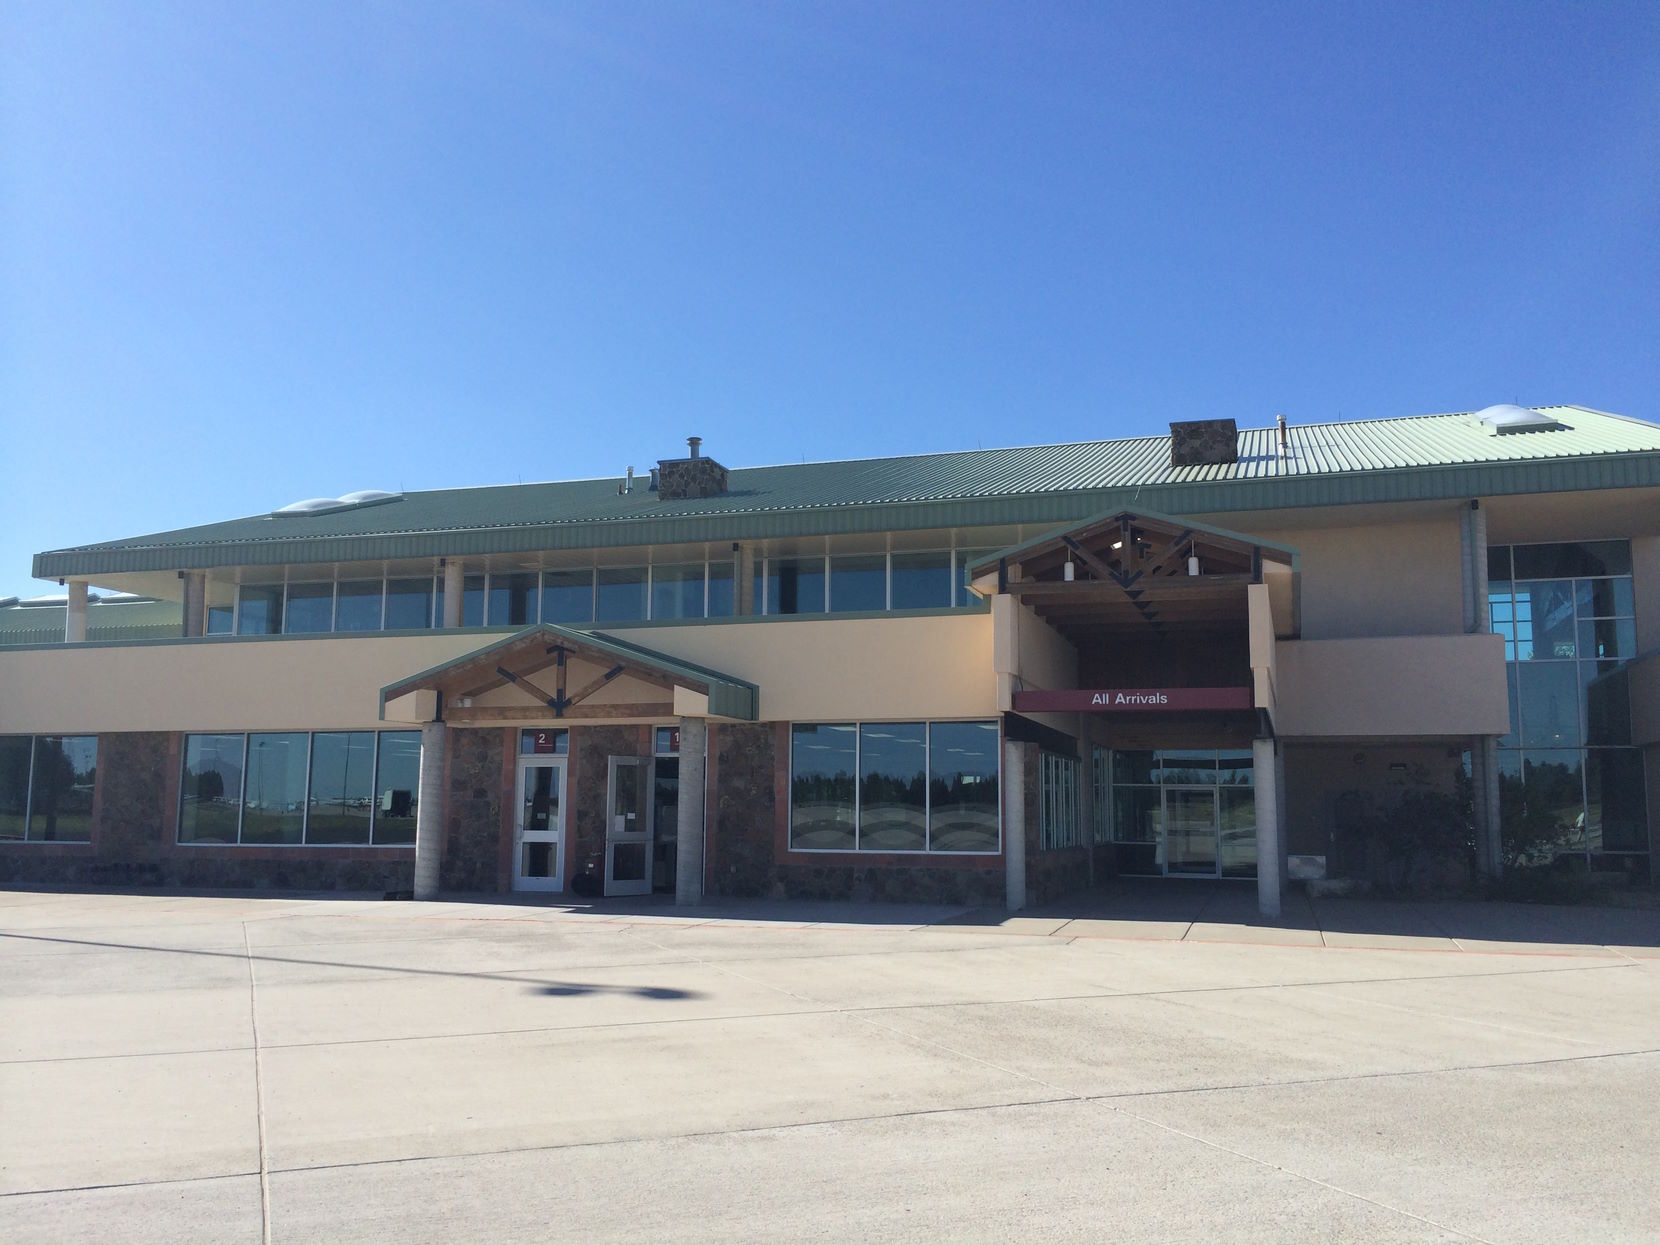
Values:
[(1126, 571), (548, 673)]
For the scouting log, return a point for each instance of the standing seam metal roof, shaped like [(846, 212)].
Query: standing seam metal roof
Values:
[(1365, 460)]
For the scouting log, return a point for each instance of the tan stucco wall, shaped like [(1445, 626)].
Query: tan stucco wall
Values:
[(808, 670), (817, 670), (1395, 579), (203, 685), (1428, 685)]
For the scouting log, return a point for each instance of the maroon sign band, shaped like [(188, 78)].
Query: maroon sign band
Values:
[(1133, 700)]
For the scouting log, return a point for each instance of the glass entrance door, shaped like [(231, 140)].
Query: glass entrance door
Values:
[(539, 825), (1190, 831), (628, 827)]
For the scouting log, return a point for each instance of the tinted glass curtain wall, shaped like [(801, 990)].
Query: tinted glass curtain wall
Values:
[(1571, 784)]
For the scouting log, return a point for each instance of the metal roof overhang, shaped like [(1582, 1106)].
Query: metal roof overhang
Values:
[(728, 697), (1419, 483)]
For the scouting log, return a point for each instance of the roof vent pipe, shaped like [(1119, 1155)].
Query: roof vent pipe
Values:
[(695, 445), (1285, 440), (628, 482)]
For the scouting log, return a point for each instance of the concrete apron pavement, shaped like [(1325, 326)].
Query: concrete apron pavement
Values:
[(226, 1068)]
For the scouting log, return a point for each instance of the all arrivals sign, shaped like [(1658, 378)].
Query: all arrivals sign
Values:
[(1134, 700)]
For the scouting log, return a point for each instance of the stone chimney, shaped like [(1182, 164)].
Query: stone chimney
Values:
[(690, 477), (1204, 442)]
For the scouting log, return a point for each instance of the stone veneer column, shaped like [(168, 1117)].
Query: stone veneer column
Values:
[(1014, 826), (74, 619), (429, 811), (454, 587), (688, 868), (1270, 824), (195, 603)]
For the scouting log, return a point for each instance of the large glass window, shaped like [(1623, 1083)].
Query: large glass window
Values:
[(859, 584), (1569, 780), (259, 609), (793, 586), (397, 788), (210, 800), (310, 609), (221, 607), (963, 810), (895, 787), (921, 581), (357, 605), (321, 788), (568, 597), (513, 599), (46, 785), (722, 578), (472, 601), (409, 604), (823, 795), (621, 594), (16, 760), (60, 799), (273, 800), (341, 798), (677, 591)]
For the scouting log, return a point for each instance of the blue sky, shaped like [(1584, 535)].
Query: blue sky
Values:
[(252, 253)]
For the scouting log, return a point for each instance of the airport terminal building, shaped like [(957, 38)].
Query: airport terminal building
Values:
[(984, 677)]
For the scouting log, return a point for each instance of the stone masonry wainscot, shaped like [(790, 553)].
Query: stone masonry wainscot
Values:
[(473, 818), (745, 809)]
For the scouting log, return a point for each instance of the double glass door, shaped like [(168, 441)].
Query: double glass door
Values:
[(539, 825), (1190, 831)]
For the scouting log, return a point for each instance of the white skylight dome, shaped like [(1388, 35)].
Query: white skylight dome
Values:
[(1508, 417), (328, 505)]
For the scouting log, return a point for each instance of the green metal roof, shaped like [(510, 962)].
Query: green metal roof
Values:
[(1380, 460), (729, 697), (135, 618)]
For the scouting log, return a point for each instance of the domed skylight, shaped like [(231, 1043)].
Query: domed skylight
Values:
[(328, 505), (1508, 417)]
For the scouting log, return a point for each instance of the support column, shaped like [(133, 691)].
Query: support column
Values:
[(688, 867), (195, 603), (74, 621), (1086, 797), (454, 586), (1270, 825), (429, 810), (1014, 827)]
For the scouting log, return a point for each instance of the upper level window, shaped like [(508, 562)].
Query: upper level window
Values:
[(358, 605), (859, 583), (408, 604), (921, 580), (310, 609), (620, 593), (259, 609), (513, 600), (677, 591)]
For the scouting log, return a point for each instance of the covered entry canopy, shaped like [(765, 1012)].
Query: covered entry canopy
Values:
[(551, 673), (1139, 572)]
